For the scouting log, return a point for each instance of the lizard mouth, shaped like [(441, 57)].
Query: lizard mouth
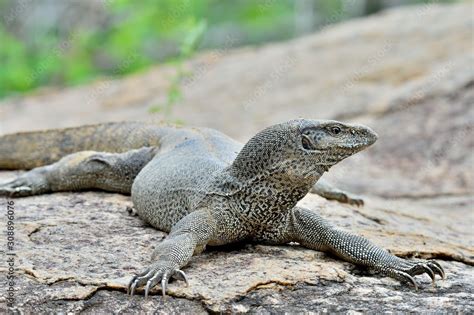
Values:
[(335, 158)]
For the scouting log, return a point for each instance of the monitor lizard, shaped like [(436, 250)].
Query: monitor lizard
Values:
[(204, 188)]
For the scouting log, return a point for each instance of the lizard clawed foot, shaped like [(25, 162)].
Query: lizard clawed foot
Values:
[(410, 269), (17, 187), (27, 184), (353, 200), (345, 197), (328, 191), (161, 271)]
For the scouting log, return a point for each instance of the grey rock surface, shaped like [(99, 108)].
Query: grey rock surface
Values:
[(411, 82), (77, 251)]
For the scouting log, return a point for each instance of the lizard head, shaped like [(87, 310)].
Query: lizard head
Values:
[(300, 150), (328, 142)]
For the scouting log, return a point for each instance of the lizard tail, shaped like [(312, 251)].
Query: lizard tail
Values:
[(26, 150)]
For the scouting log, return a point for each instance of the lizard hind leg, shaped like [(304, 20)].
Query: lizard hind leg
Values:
[(112, 172)]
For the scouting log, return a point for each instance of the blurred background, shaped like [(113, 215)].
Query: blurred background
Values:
[(404, 68), (60, 43), (239, 66)]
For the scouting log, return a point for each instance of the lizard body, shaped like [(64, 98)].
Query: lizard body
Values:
[(205, 188)]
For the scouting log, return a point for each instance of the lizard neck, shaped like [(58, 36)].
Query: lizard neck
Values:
[(270, 179), (269, 195), (261, 154)]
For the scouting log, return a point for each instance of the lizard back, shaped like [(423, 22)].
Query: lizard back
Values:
[(170, 185)]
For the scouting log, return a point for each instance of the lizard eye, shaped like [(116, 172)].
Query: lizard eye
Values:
[(335, 130)]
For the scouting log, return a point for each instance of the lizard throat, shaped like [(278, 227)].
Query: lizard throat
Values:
[(262, 200)]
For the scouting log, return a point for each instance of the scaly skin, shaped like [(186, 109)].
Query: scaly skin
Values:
[(206, 189)]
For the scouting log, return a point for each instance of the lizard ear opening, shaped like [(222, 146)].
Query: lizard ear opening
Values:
[(307, 143), (99, 160)]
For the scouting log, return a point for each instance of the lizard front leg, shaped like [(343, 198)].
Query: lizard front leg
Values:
[(312, 231), (188, 237)]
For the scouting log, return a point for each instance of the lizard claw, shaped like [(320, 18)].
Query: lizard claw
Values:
[(15, 191), (430, 273), (429, 267), (180, 275), (355, 201), (348, 198), (153, 275), (345, 197), (436, 267), (131, 286), (329, 192), (407, 278), (164, 282), (410, 269), (152, 282)]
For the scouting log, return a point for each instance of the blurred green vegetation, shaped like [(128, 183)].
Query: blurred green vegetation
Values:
[(130, 35)]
